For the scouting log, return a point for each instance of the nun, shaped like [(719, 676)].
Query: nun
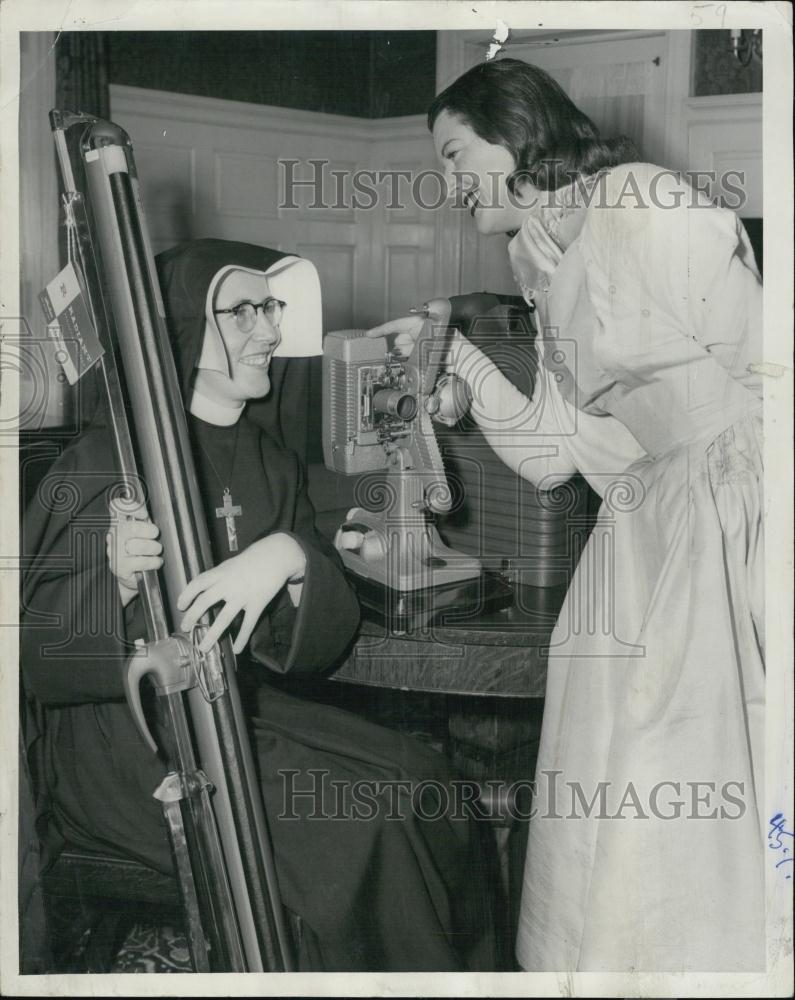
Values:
[(371, 893)]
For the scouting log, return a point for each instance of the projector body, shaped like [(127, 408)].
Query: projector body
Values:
[(377, 409)]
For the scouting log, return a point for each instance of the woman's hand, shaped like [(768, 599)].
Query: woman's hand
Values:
[(132, 546), (246, 583), (533, 250), (406, 330)]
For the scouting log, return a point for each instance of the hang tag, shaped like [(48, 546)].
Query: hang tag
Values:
[(70, 324)]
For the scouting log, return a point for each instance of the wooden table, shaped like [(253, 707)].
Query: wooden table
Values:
[(502, 656), (502, 653)]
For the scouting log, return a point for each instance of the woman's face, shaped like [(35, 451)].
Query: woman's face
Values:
[(249, 353), (480, 170)]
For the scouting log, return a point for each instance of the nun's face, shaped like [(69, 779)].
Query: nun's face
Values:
[(249, 351)]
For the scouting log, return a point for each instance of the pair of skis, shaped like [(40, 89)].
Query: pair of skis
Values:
[(220, 841)]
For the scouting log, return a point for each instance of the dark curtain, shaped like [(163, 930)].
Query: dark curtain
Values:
[(81, 84), (82, 73), (754, 229)]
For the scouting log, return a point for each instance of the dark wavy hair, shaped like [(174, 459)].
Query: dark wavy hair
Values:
[(512, 104)]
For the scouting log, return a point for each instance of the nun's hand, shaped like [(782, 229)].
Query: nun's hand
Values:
[(405, 330), (131, 546), (246, 583)]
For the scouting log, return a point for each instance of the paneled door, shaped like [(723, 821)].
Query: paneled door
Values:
[(284, 178), (624, 81)]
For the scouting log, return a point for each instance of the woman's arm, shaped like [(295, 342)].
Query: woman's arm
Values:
[(529, 434)]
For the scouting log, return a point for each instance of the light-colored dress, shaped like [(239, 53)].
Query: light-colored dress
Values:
[(646, 848)]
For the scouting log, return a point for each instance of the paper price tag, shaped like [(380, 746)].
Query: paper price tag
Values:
[(70, 324)]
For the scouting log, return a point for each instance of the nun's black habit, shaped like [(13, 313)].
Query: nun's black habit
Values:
[(372, 894)]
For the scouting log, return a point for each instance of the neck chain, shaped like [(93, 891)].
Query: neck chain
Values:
[(229, 511)]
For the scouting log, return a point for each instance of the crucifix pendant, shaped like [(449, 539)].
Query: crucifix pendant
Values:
[(230, 512)]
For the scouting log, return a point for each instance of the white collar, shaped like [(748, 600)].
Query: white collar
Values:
[(213, 412)]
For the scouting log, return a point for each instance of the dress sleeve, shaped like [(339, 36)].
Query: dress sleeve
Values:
[(543, 439), (311, 637), (658, 250), (528, 434), (599, 445), (74, 633)]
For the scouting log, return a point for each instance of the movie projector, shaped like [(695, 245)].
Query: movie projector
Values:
[(379, 410)]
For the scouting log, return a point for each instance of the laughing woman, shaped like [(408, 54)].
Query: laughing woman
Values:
[(648, 304)]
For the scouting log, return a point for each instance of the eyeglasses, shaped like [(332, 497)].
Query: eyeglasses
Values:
[(245, 313)]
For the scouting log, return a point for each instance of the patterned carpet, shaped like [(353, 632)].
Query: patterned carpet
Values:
[(85, 936), (153, 949)]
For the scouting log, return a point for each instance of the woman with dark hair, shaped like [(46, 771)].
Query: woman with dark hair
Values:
[(646, 848), (521, 108)]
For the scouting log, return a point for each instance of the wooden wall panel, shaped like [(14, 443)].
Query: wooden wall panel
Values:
[(336, 268), (220, 168), (246, 185), (725, 133)]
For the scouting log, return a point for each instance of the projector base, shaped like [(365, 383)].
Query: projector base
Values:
[(451, 604)]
